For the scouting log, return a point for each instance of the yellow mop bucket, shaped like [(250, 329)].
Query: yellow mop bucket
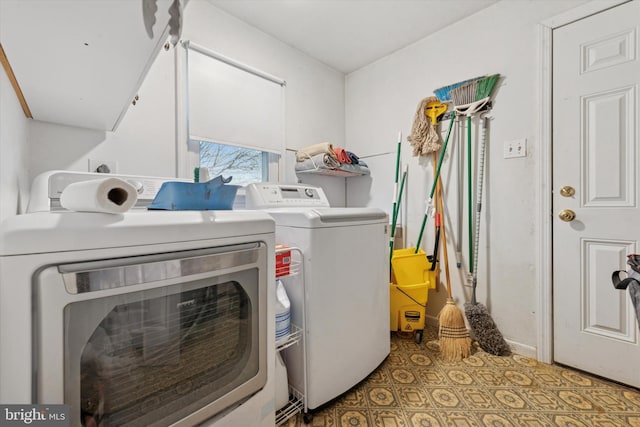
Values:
[(408, 297), (410, 267)]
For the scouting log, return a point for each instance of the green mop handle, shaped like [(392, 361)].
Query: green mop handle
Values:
[(395, 189), (395, 217), (394, 209), (444, 147), (469, 196), (476, 237), (435, 181)]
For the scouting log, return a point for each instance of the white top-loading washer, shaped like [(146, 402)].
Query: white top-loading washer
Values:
[(61, 271), (346, 286)]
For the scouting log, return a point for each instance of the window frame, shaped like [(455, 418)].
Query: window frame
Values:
[(188, 146)]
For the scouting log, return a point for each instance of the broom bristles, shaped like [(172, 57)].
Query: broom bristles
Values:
[(455, 343), (486, 85), (465, 94), (451, 315), (474, 90), (444, 93)]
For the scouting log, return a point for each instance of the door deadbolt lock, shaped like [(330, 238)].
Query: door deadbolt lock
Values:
[(567, 191), (567, 215)]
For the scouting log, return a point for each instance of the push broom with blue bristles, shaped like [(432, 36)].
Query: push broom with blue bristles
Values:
[(469, 99)]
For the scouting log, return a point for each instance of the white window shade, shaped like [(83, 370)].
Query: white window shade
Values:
[(232, 103)]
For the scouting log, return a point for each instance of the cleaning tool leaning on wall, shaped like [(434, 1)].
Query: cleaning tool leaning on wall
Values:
[(411, 274), (444, 95), (424, 138), (397, 197), (470, 99), (453, 335), (484, 328), (429, 208)]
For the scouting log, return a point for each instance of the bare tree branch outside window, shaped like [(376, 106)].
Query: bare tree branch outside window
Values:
[(245, 165)]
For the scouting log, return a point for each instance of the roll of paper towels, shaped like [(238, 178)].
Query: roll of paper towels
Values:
[(108, 195)]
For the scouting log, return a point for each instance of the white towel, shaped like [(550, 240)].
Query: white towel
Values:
[(307, 152), (108, 195), (319, 161)]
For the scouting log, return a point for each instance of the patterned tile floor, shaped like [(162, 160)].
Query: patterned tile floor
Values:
[(414, 387)]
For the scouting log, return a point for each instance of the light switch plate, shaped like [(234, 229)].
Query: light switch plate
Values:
[(515, 148)]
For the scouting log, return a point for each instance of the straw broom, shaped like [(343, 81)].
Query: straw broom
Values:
[(454, 337), (455, 343)]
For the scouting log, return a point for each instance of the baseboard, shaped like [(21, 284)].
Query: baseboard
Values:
[(522, 349), (516, 347), (431, 320)]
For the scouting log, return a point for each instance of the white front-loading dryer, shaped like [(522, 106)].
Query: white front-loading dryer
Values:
[(142, 318), (345, 296)]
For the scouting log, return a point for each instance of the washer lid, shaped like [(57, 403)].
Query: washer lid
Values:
[(327, 217), (43, 232)]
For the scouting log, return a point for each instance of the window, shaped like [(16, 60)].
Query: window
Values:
[(243, 164), (235, 117)]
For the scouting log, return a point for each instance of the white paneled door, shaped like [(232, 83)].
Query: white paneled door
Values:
[(596, 223)]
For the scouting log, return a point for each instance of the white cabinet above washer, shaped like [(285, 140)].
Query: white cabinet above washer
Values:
[(80, 63)]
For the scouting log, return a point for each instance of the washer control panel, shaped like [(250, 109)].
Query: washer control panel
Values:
[(267, 195)]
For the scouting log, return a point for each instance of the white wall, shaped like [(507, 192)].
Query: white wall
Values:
[(381, 99), (14, 181), (314, 95), (144, 142)]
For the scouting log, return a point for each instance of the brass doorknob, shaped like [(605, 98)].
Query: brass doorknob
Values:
[(567, 215), (567, 191)]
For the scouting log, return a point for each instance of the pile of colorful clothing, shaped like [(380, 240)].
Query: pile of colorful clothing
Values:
[(324, 156)]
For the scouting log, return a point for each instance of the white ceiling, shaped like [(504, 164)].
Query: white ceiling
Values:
[(349, 34)]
